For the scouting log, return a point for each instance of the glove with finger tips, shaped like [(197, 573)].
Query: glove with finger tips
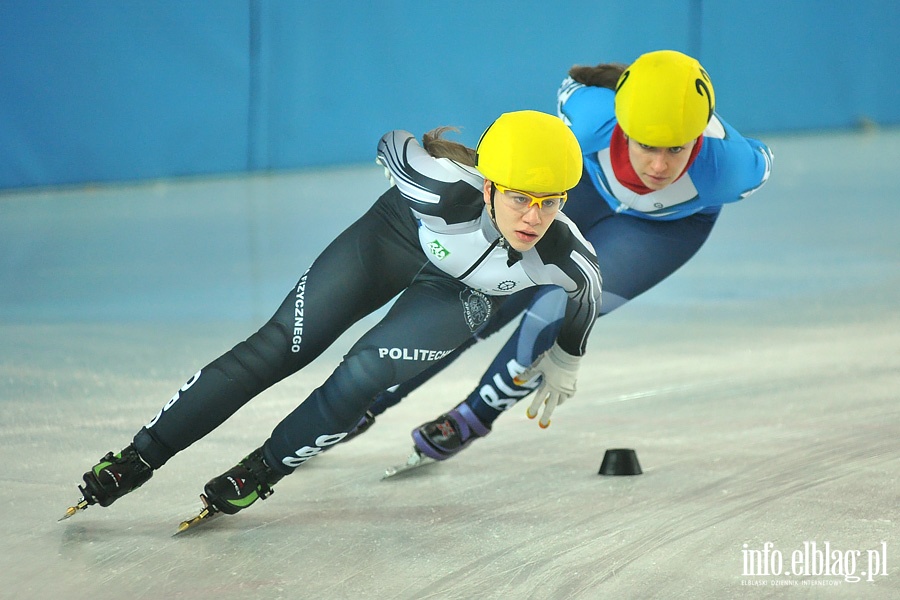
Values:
[(559, 371)]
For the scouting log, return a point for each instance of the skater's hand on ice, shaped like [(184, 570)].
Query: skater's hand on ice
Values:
[(558, 370)]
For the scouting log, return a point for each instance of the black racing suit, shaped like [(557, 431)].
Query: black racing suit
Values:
[(431, 240)]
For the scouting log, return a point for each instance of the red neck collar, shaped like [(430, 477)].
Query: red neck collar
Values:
[(624, 172)]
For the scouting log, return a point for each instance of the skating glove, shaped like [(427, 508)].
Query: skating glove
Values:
[(558, 370)]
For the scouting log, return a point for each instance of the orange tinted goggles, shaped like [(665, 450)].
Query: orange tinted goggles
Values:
[(523, 201)]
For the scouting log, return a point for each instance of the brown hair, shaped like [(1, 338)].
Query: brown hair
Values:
[(438, 147), (603, 75)]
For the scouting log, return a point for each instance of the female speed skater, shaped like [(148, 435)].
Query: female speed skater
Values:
[(459, 233), (660, 163)]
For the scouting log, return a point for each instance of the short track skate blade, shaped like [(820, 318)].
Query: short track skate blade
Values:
[(207, 514), (414, 461), (82, 504)]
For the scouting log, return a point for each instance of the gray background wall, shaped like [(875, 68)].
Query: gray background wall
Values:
[(95, 90)]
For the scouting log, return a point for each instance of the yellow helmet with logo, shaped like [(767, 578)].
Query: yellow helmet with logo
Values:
[(664, 99), (530, 151)]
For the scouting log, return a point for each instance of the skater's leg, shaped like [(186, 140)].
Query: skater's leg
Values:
[(307, 321), (634, 255), (537, 330), (396, 349), (510, 309), (455, 430)]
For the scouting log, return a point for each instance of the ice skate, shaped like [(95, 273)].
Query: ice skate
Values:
[(110, 479), (449, 434), (236, 489), (442, 438)]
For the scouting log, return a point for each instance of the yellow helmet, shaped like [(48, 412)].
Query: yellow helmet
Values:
[(664, 99), (530, 151)]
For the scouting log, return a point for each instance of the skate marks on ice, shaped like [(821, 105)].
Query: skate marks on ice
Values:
[(756, 459), (726, 460), (643, 537)]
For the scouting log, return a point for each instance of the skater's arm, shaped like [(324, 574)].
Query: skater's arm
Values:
[(569, 261), (433, 186)]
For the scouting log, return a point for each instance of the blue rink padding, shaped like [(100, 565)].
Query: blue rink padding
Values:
[(97, 91)]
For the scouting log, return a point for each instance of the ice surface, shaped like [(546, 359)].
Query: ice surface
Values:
[(758, 386)]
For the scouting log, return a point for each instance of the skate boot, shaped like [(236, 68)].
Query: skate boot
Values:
[(242, 485), (110, 479), (114, 476), (364, 423), (449, 434)]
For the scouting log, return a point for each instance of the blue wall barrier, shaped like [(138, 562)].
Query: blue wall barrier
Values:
[(96, 90)]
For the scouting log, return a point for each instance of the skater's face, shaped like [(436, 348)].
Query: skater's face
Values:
[(658, 167), (522, 217)]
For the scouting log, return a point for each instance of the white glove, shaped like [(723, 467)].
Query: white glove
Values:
[(558, 370)]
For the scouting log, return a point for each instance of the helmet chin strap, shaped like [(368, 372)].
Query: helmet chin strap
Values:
[(512, 255)]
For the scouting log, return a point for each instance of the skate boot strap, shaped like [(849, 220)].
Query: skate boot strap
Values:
[(469, 423), (263, 474)]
